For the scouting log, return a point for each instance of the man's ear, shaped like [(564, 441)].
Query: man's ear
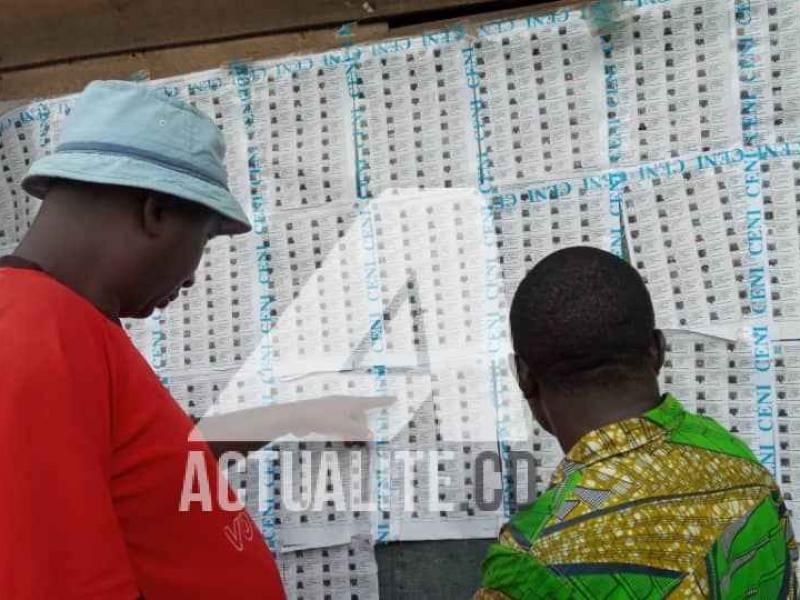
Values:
[(153, 214), (530, 389), (525, 378), (658, 350)]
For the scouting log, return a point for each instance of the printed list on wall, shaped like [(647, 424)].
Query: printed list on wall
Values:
[(400, 191)]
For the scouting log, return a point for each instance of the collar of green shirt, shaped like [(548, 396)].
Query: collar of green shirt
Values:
[(622, 436)]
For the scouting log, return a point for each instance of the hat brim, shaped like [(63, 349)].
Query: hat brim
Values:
[(95, 167)]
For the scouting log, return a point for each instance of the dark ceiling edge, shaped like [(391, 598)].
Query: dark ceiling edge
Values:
[(403, 20), (456, 12)]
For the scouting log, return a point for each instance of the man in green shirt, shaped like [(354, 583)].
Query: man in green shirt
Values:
[(650, 501)]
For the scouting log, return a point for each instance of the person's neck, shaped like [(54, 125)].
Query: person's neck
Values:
[(575, 415), (72, 262)]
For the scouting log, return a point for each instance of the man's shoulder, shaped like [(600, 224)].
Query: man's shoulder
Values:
[(705, 433), (47, 327), (30, 298), (695, 461)]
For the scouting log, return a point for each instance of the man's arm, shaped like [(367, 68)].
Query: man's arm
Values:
[(512, 572), (756, 552), (337, 417), (59, 535)]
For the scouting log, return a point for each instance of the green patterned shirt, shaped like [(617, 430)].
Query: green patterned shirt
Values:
[(666, 505)]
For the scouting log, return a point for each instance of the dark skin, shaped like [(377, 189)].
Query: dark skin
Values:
[(129, 251), (142, 247), (571, 412)]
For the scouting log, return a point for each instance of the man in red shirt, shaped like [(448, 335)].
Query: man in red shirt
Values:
[(95, 449)]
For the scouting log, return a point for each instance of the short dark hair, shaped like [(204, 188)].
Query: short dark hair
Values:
[(580, 311)]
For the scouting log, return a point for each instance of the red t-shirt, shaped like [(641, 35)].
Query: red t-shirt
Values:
[(94, 453)]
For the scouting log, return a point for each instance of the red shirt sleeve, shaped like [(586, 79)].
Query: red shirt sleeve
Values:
[(195, 554), (59, 534)]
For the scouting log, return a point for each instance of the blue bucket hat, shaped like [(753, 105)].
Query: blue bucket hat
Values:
[(123, 133)]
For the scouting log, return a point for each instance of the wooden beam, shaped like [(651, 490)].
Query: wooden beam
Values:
[(36, 32), (72, 76)]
